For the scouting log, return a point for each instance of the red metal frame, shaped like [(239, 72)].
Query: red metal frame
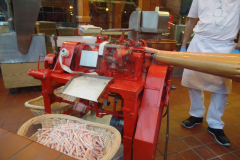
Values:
[(141, 84)]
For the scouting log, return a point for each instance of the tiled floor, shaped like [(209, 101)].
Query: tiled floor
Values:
[(189, 144)]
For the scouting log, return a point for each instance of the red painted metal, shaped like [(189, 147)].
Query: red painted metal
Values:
[(137, 81), (49, 61), (150, 115)]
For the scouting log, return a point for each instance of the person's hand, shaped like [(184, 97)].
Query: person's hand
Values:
[(236, 51), (183, 49)]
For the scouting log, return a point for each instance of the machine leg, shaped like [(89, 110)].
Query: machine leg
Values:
[(150, 116), (131, 108), (47, 103), (47, 93)]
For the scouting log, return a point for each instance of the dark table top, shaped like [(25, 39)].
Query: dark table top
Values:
[(15, 147)]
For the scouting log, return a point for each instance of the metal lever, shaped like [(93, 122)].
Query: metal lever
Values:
[(39, 59)]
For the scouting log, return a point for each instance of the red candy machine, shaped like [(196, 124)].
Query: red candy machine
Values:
[(125, 70)]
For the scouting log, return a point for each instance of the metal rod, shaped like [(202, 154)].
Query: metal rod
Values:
[(103, 111), (55, 41), (10, 17), (167, 135), (106, 45)]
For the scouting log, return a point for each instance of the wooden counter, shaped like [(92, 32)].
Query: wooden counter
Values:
[(15, 147)]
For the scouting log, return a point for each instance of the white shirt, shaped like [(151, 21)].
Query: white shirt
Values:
[(218, 19)]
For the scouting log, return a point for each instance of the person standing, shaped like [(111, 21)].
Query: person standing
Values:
[(216, 24)]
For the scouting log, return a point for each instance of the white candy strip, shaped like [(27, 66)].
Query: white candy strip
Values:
[(65, 53), (101, 47)]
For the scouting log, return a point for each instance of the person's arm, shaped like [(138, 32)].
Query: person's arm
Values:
[(238, 44), (237, 48), (189, 30)]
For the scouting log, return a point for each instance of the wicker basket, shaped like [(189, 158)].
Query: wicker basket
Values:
[(37, 105), (110, 136)]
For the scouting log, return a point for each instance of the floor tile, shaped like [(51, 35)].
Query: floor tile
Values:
[(180, 120), (164, 119), (236, 103), (204, 138), (217, 148), (181, 131), (194, 130), (229, 133), (217, 158), (12, 120), (184, 113), (173, 124), (161, 148), (14, 113), (175, 115), (5, 110), (236, 109), (177, 108), (179, 145), (190, 155), (236, 139), (229, 157), (175, 156), (163, 127), (232, 147), (27, 111), (2, 131), (172, 135), (3, 115), (158, 154), (237, 153), (205, 152), (26, 117), (235, 128), (192, 141), (1, 121), (11, 127), (203, 126), (186, 106), (161, 138)]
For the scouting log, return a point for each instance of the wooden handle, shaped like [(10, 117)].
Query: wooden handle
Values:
[(225, 65)]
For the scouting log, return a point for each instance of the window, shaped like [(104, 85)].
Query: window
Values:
[(2, 16), (111, 14), (59, 11)]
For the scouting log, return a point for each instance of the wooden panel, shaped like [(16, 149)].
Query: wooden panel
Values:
[(65, 31), (82, 11), (158, 3), (48, 28), (152, 7), (15, 147), (146, 6), (16, 75), (153, 1), (140, 4), (37, 151), (11, 144)]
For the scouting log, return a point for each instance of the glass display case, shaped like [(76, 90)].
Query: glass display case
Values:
[(59, 11), (111, 14)]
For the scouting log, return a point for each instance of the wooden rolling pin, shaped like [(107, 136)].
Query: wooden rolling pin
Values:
[(225, 65)]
